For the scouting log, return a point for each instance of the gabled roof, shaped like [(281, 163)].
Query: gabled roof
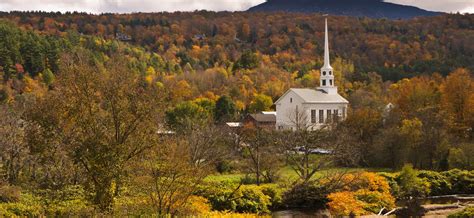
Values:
[(315, 96), (264, 117)]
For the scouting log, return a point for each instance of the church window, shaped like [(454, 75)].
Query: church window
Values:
[(313, 116), (336, 114), (329, 115), (291, 100), (343, 113), (330, 72), (330, 82), (324, 82), (321, 116), (324, 73)]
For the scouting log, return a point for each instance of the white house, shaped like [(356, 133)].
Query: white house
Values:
[(312, 108)]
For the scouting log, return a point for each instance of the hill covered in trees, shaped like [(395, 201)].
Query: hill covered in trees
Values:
[(394, 49), (356, 8)]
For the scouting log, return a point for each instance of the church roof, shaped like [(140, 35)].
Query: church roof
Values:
[(315, 96)]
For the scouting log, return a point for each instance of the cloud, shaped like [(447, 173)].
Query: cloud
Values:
[(440, 5), (122, 6)]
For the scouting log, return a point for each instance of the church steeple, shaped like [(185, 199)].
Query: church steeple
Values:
[(326, 82), (327, 62)]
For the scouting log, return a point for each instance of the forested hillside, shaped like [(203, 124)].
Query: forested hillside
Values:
[(394, 49)]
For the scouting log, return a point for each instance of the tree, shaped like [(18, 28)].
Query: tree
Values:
[(105, 115), (261, 102), (457, 92), (13, 147), (258, 146), (48, 77), (173, 172), (297, 146), (248, 60), (225, 109), (186, 116), (412, 189)]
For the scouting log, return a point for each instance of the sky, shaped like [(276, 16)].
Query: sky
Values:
[(126, 6)]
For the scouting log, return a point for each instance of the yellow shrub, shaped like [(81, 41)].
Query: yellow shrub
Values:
[(362, 193), (197, 205), (345, 203)]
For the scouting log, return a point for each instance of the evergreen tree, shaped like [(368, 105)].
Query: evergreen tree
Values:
[(225, 109)]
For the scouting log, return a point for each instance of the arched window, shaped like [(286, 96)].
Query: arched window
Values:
[(324, 82), (330, 82), (330, 72), (324, 73), (291, 100)]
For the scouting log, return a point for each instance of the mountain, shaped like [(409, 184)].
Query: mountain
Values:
[(357, 8)]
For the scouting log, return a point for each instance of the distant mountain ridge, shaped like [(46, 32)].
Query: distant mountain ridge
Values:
[(356, 8)]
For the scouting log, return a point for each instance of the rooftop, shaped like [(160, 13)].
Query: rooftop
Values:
[(317, 96)]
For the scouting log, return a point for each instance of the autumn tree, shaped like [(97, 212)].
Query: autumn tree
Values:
[(457, 92), (259, 148), (105, 116), (261, 102)]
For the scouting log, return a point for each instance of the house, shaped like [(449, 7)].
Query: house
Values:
[(312, 108), (261, 120), (123, 37)]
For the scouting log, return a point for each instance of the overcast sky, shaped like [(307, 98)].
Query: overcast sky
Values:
[(98, 6)]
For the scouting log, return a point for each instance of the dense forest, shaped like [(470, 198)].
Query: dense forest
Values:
[(123, 113)]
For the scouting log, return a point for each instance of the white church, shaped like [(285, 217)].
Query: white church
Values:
[(312, 108)]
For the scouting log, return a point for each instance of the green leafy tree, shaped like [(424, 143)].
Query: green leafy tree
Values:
[(412, 189), (261, 102), (48, 77), (248, 60), (225, 109), (187, 115)]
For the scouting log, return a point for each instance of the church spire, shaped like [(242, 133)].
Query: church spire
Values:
[(326, 81), (327, 63)]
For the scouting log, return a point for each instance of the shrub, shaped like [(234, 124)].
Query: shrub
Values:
[(391, 178), (28, 206), (224, 166), (197, 205), (275, 193), (9, 194), (466, 213), (306, 195), (439, 183), (462, 181), (363, 193), (242, 199), (412, 188), (251, 199), (344, 204)]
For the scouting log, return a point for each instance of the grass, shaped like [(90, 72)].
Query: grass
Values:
[(288, 174)]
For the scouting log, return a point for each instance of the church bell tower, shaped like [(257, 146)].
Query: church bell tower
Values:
[(326, 81)]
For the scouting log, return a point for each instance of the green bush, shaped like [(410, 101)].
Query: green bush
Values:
[(251, 199), (29, 206), (392, 182), (224, 166), (439, 183), (462, 181), (466, 213), (242, 199), (275, 193), (306, 195)]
